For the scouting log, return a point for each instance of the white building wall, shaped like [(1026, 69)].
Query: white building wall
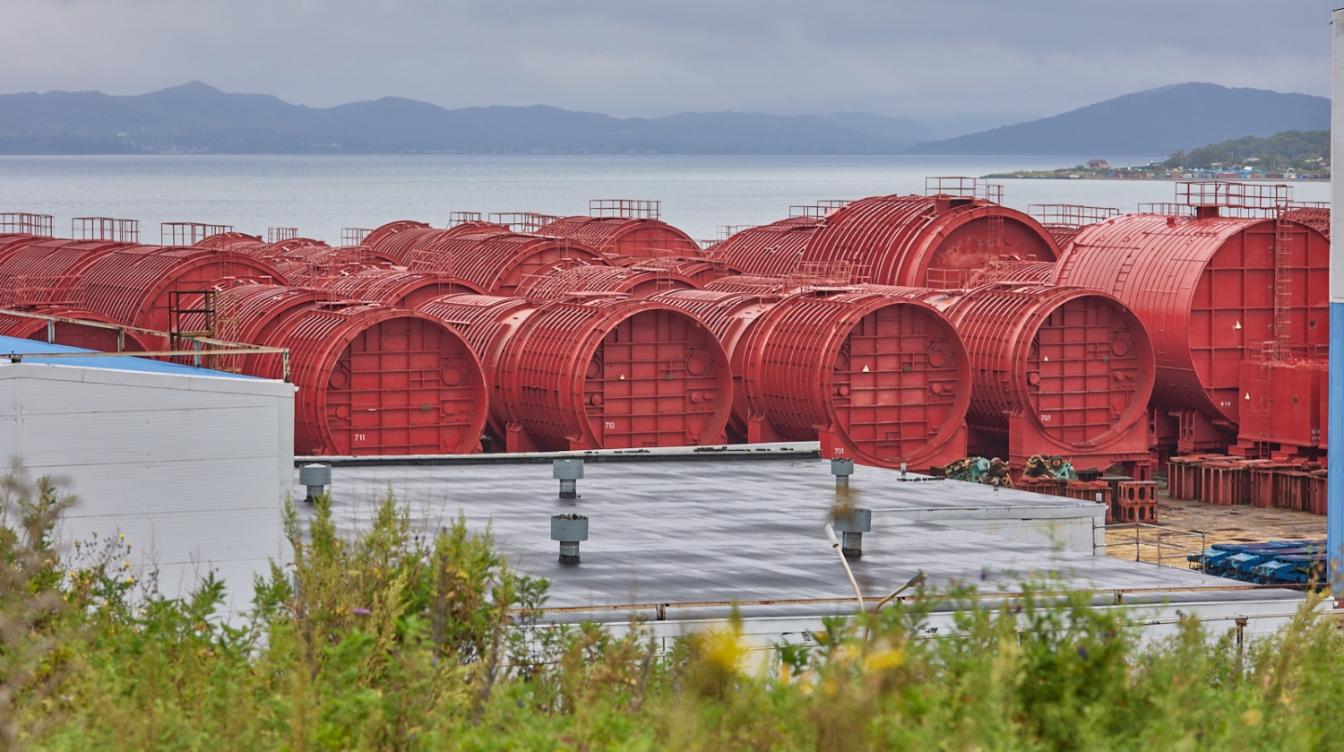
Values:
[(193, 470)]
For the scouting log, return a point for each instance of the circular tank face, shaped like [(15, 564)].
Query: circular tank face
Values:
[(402, 386), (658, 378), (884, 379), (889, 379), (1089, 371)]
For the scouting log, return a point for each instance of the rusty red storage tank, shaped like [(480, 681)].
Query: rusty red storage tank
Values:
[(612, 373), (71, 333), (394, 287), (1204, 287), (486, 322), (624, 236), (498, 262), (375, 380), (1012, 270), (136, 284), (580, 279), (245, 312), (49, 271), (397, 242), (926, 241), (729, 315), (238, 242), (880, 377), (775, 248), (383, 233), (1057, 371)]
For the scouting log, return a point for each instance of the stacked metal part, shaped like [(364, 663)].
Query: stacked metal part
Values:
[(607, 372), (1234, 307), (897, 330)]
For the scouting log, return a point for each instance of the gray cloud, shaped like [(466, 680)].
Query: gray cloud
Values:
[(955, 61)]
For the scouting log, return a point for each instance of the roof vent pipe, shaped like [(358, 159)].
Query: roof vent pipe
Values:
[(315, 477), (842, 469), (569, 529), (568, 473), (852, 524)]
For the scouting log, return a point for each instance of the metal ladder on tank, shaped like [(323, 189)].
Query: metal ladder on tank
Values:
[(180, 338), (1275, 350)]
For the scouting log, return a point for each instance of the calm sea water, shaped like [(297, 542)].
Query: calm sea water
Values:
[(322, 194)]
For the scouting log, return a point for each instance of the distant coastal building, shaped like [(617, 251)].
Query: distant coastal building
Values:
[(1098, 164)]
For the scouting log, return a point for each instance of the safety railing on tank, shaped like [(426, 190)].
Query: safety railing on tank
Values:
[(462, 217), (821, 209), (1166, 209), (26, 223), (1231, 194), (723, 232), (628, 208), (202, 347), (105, 228), (522, 221), (355, 235), (963, 186), (1072, 216), (277, 234), (189, 233)]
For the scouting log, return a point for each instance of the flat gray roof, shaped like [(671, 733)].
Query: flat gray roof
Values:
[(717, 530)]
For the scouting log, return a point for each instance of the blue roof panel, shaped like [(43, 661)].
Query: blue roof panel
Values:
[(26, 347)]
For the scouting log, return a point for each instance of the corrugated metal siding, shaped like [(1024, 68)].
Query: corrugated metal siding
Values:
[(193, 471)]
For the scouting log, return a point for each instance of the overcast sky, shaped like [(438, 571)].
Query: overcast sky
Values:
[(937, 61)]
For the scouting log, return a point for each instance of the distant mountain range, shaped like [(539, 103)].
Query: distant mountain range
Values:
[(1153, 122), (198, 118)]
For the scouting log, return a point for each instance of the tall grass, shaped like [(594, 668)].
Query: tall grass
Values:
[(394, 640)]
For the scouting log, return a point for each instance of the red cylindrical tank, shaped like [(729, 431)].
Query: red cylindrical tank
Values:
[(394, 287), (728, 315), (70, 333), (1057, 371), (926, 241), (776, 248), (377, 381), (49, 271), (383, 233), (578, 279), (486, 322), (13, 241), (1204, 287), (624, 236), (881, 377), (498, 262), (397, 242), (613, 373), (247, 312), (135, 285), (1012, 270), (238, 242)]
